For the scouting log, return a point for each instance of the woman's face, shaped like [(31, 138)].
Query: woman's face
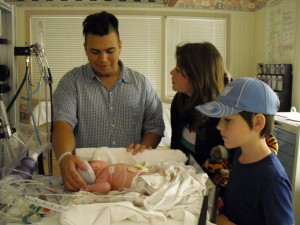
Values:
[(180, 81)]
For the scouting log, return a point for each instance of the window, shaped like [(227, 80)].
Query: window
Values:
[(149, 43)]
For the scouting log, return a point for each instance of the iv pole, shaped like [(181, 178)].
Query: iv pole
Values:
[(47, 77), (28, 164), (38, 51)]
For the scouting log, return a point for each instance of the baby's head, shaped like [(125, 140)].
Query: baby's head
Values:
[(246, 96), (98, 165)]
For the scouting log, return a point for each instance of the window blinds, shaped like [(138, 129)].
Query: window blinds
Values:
[(149, 42)]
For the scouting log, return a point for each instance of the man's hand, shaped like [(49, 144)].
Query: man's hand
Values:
[(71, 178), (135, 148), (150, 141)]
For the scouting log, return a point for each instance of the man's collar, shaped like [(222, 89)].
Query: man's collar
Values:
[(124, 75)]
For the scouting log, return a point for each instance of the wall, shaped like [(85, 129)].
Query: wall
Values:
[(247, 43), (259, 36), (260, 49), (241, 51), (296, 63)]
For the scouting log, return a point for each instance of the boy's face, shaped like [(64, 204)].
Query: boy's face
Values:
[(235, 131)]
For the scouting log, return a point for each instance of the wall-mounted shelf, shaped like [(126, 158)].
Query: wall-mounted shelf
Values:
[(279, 77)]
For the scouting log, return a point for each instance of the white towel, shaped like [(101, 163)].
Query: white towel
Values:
[(180, 199), (183, 188), (108, 213)]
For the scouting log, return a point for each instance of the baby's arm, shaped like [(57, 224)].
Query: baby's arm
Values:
[(102, 187), (159, 170)]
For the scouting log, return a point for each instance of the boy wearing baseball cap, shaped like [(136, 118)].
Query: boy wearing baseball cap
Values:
[(258, 191)]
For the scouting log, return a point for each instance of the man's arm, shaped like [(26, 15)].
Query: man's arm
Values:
[(151, 140), (64, 141), (153, 124), (63, 138)]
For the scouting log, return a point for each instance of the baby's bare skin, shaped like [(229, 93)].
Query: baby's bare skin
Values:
[(114, 177)]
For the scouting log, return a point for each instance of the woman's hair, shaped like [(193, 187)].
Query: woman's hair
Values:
[(100, 24), (203, 65), (269, 125)]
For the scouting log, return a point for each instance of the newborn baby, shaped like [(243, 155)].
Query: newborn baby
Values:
[(122, 176)]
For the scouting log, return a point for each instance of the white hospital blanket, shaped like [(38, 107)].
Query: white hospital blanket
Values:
[(179, 199)]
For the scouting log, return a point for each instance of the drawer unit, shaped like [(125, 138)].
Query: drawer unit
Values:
[(286, 154), (288, 137)]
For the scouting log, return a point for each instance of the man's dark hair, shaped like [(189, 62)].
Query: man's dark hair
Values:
[(100, 24)]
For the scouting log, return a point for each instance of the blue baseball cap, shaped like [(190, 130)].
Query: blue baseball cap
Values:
[(243, 94)]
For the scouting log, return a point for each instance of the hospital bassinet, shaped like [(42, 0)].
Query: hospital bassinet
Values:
[(43, 200)]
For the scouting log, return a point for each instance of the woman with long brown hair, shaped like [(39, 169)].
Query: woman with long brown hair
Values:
[(198, 77)]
